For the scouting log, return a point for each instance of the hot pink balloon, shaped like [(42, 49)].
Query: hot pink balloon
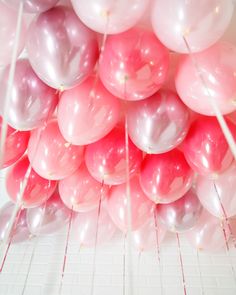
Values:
[(8, 22), (33, 6), (62, 51), (50, 155), (87, 112), (15, 145), (141, 208), (201, 22), (37, 189), (206, 148), (165, 177), (106, 158), (80, 191), (134, 64), (217, 66), (31, 101), (159, 123)]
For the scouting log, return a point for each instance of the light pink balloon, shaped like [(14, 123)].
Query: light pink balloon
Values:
[(106, 158), (31, 101), (80, 191), (37, 189), (217, 66), (141, 208), (87, 112), (218, 195), (110, 16), (50, 155), (159, 123), (33, 6), (201, 22), (61, 50), (134, 64)]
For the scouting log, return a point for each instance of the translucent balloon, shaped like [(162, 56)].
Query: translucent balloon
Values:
[(181, 215), (217, 67), (165, 177), (201, 22), (134, 64), (106, 158), (50, 155), (33, 6), (110, 16), (87, 112), (205, 146), (141, 208), (61, 50), (37, 189), (159, 123), (31, 102)]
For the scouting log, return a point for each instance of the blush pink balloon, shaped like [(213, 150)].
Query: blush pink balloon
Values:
[(106, 158), (165, 177), (61, 50), (37, 189), (81, 192), (201, 22), (15, 145), (141, 207), (87, 112), (217, 66), (31, 101), (50, 155), (209, 234), (206, 148), (159, 123), (33, 6), (134, 64), (8, 22)]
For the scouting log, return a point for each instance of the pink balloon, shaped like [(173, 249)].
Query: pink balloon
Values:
[(50, 155), (106, 158), (109, 16), (140, 206), (182, 214), (87, 112), (80, 191), (217, 66), (37, 189), (201, 22), (62, 51), (134, 64), (48, 217), (15, 145), (31, 102), (8, 22), (159, 123), (205, 146), (33, 6), (218, 195), (165, 177), (208, 233)]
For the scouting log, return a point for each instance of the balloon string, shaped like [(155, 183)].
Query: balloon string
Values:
[(181, 264), (224, 127), (200, 273), (124, 263), (138, 271)]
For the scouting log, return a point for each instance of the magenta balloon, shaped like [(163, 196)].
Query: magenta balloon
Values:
[(62, 51), (81, 192), (165, 177), (181, 215), (33, 6), (87, 112), (50, 155), (140, 206), (218, 67), (159, 123), (31, 102), (134, 64), (48, 217), (218, 195), (201, 22)]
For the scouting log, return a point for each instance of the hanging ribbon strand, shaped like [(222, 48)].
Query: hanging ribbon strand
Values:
[(181, 264)]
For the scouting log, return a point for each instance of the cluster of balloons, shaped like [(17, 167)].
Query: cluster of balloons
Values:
[(95, 132)]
